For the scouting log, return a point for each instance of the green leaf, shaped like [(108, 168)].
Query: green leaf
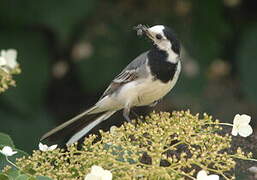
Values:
[(22, 177), (2, 161), (43, 178), (13, 173), (32, 178), (6, 140), (3, 177)]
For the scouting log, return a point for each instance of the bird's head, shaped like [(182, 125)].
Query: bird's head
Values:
[(162, 36)]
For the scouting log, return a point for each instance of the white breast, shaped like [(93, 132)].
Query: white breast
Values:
[(145, 91), (155, 90)]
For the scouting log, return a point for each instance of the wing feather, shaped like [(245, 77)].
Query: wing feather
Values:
[(130, 73)]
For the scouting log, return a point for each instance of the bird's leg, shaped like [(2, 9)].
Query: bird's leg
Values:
[(155, 103), (126, 112), (137, 117), (135, 114)]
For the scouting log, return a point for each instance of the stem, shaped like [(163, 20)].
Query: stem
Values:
[(11, 162), (218, 172), (183, 174), (225, 124), (16, 166), (248, 159)]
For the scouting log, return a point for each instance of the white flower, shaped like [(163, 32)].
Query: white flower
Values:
[(241, 125), (7, 151), (202, 175), (44, 147), (2, 61), (8, 58), (98, 173)]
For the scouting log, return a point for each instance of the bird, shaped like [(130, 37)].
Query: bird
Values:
[(144, 81)]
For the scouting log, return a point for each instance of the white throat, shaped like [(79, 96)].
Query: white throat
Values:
[(172, 56), (164, 43)]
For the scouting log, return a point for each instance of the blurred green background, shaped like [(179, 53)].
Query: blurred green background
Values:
[(69, 51)]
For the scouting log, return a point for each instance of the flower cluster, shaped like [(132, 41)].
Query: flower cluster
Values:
[(163, 145), (8, 67), (97, 172)]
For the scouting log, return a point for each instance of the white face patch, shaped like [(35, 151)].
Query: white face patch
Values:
[(164, 43), (158, 29)]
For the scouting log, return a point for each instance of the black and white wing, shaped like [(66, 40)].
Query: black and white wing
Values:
[(133, 71)]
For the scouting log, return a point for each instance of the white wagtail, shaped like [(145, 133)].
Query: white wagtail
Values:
[(143, 82)]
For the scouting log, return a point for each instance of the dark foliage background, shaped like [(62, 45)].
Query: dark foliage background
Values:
[(70, 50)]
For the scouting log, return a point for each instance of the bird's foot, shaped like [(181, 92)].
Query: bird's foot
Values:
[(155, 103), (126, 112), (135, 114)]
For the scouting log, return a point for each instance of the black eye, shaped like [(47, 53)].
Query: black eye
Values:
[(158, 36)]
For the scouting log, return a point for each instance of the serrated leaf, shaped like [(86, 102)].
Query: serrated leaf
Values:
[(6, 140)]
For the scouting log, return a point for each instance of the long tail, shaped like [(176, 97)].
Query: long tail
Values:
[(78, 126)]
